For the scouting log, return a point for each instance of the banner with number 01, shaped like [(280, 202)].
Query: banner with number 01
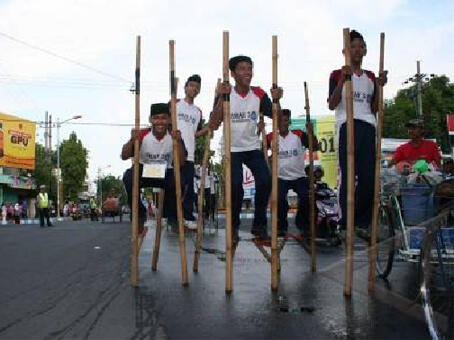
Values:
[(326, 156)]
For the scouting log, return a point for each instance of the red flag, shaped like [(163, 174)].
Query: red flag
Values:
[(450, 123)]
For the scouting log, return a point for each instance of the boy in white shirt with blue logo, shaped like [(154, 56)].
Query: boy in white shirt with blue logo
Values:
[(246, 104)]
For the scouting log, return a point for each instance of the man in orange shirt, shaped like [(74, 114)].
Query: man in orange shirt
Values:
[(418, 147)]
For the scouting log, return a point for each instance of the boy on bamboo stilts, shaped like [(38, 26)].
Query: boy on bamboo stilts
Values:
[(246, 104), (189, 122), (292, 174), (365, 106), (155, 152)]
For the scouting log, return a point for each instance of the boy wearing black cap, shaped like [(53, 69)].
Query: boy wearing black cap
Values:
[(189, 122), (365, 106), (246, 105), (155, 156)]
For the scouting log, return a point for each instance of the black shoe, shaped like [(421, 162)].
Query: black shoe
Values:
[(142, 221), (235, 237), (50, 225), (363, 232), (341, 233), (261, 233)]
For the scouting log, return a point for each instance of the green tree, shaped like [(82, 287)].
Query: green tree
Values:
[(43, 171), (112, 185), (437, 101), (73, 163)]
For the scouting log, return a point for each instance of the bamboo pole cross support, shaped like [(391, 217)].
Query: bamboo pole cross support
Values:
[(375, 211), (177, 166), (274, 174), (313, 226), (135, 183), (350, 171), (200, 200), (228, 170)]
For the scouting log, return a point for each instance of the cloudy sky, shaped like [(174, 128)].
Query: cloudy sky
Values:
[(72, 57)]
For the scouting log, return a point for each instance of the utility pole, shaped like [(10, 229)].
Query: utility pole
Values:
[(50, 136), (58, 172), (419, 80), (46, 134)]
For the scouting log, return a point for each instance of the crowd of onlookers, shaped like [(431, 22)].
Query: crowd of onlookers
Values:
[(14, 212)]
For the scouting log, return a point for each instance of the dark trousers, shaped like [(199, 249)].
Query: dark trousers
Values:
[(93, 214), (255, 161), (207, 198), (187, 179), (168, 183), (212, 205), (301, 187), (365, 143), (44, 212)]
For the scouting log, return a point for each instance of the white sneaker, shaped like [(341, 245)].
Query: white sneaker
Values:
[(191, 224)]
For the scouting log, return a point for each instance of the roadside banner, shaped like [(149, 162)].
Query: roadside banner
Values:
[(326, 156), (17, 142)]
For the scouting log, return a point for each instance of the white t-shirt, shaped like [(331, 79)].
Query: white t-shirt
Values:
[(291, 154), (363, 95), (207, 180), (244, 116), (188, 119), (153, 149), (212, 184)]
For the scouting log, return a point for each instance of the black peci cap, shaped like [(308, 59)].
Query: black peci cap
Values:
[(159, 108), (238, 59)]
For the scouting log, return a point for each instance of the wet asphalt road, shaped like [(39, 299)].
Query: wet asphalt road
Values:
[(72, 281)]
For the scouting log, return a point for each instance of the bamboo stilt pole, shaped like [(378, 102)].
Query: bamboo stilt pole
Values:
[(311, 184), (228, 169), (198, 246), (374, 230), (177, 166), (264, 140), (157, 239), (135, 183), (350, 237), (274, 174), (206, 154)]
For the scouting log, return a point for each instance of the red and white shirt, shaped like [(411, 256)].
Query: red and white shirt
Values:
[(364, 92), (244, 116), (291, 154), (189, 117), (153, 149)]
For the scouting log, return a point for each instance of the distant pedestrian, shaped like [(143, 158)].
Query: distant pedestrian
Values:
[(17, 213), (24, 207), (43, 206), (93, 209), (9, 211), (66, 209)]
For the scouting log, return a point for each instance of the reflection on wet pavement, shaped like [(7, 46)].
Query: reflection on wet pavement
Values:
[(306, 305)]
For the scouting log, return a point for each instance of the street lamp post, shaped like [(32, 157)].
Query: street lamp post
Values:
[(58, 125)]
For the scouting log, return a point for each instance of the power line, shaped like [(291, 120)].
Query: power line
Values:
[(69, 60)]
